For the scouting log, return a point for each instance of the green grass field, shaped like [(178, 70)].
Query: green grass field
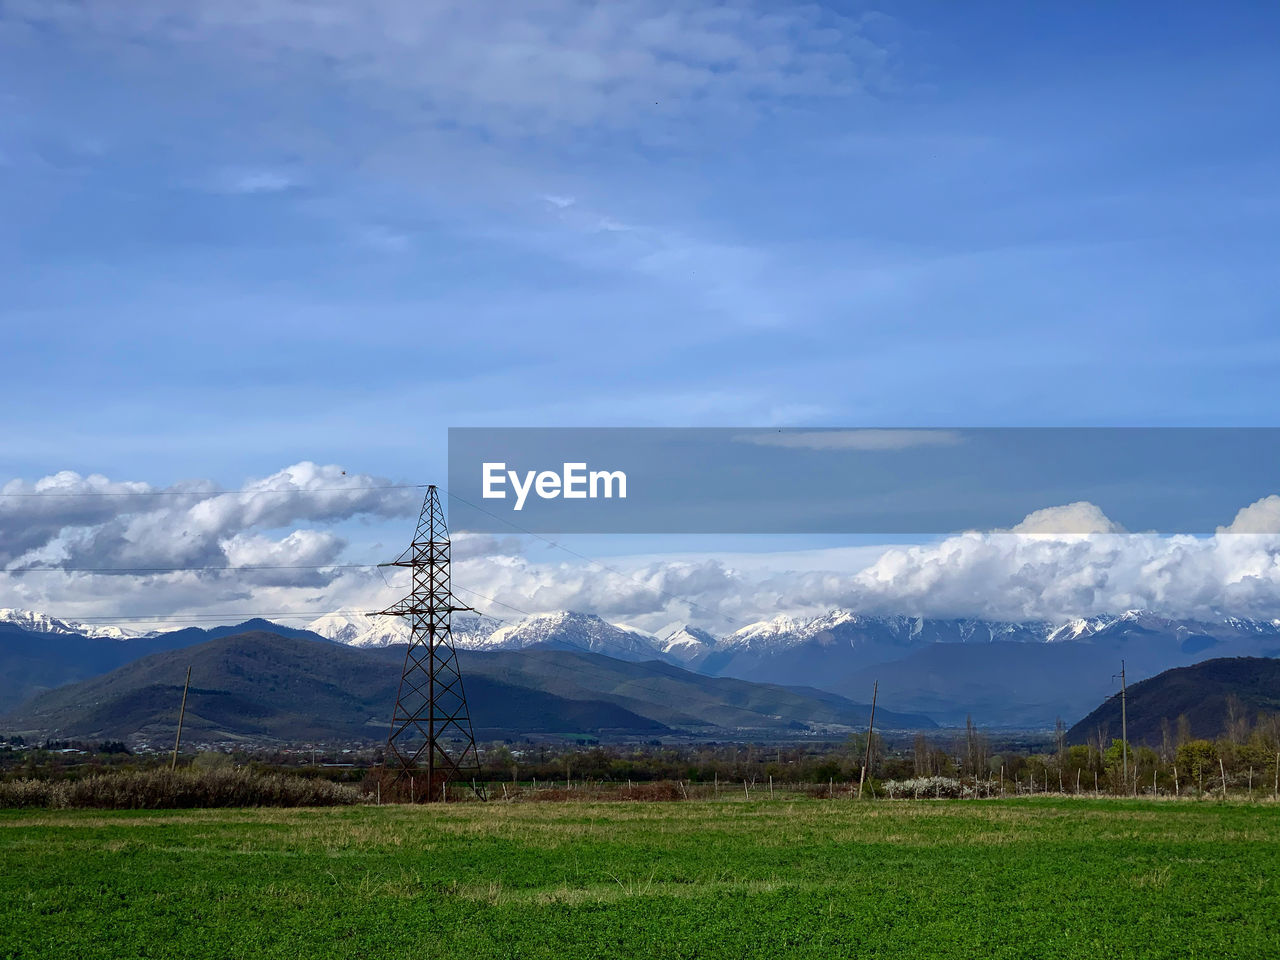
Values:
[(804, 878)]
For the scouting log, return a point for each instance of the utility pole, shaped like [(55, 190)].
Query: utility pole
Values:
[(871, 726), (431, 703), (1124, 727), (182, 712)]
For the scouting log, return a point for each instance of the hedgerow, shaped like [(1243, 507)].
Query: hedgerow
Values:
[(165, 789)]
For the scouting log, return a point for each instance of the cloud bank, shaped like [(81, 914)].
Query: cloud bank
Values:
[(62, 537), (95, 545)]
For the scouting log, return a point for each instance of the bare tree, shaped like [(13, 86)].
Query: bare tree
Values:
[(1184, 729), (923, 759), (1237, 720), (975, 749)]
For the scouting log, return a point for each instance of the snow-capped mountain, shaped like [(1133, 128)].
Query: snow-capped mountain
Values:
[(34, 622), (1145, 621), (575, 631), (562, 629), (1008, 673), (855, 629), (861, 635), (1077, 629), (358, 629), (687, 644)]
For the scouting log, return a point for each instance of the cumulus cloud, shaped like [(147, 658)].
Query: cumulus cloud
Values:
[(95, 547), (94, 523), (1034, 571), (277, 527), (1261, 516), (1078, 518)]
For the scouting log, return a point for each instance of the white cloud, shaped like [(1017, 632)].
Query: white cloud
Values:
[(1035, 573), (1031, 572), (1053, 576), (1080, 518), (1261, 516), (249, 182), (92, 522)]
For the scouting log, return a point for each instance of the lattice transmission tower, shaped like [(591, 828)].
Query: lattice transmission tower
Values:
[(431, 741)]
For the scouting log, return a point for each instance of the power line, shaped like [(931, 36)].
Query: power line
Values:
[(667, 594), (492, 600), (214, 493), (256, 566), (182, 618), (604, 566)]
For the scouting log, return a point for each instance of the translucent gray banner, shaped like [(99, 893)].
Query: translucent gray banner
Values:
[(864, 481)]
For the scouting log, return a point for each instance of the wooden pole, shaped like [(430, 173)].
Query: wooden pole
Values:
[(1223, 771), (1124, 724), (871, 726), (182, 712)]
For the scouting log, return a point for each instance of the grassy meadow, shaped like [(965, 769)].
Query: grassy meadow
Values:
[(1042, 877)]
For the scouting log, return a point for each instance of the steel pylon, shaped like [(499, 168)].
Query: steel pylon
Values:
[(431, 741)]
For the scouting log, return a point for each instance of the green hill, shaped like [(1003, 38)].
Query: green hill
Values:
[(1199, 691), (264, 687)]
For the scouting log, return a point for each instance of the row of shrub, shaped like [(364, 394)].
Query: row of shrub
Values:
[(165, 789), (650, 792), (950, 788)]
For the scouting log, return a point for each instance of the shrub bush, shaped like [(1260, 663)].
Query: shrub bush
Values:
[(162, 789)]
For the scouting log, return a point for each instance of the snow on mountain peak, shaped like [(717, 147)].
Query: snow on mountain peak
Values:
[(35, 622), (359, 629), (580, 631), (687, 643)]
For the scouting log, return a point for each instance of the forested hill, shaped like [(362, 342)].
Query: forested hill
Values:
[(1202, 693)]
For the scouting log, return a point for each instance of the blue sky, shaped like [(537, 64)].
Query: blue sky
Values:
[(237, 237)]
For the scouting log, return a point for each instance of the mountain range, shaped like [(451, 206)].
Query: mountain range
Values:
[(263, 686), (1003, 674)]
